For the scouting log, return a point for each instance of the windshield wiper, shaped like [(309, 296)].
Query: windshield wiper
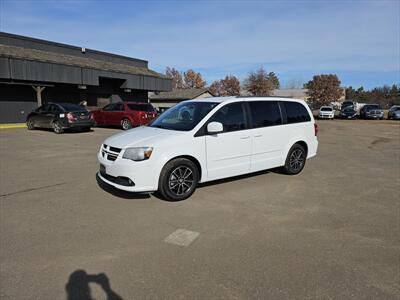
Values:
[(158, 126)]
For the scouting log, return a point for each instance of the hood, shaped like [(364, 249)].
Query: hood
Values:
[(143, 136)]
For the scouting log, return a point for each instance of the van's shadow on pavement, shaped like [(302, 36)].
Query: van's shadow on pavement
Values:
[(78, 288), (129, 195)]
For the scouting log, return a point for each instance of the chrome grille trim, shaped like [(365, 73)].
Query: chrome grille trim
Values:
[(110, 153)]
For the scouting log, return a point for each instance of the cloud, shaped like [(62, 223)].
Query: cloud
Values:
[(223, 37)]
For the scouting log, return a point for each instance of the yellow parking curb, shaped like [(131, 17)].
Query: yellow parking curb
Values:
[(9, 126)]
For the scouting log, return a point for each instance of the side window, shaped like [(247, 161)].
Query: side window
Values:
[(265, 113), (44, 108), (296, 112), (119, 107), (54, 108), (231, 116), (109, 107)]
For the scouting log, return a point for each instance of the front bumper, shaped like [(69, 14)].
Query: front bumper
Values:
[(374, 116), (348, 116), (326, 116), (144, 174)]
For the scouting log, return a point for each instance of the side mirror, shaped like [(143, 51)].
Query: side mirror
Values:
[(215, 127)]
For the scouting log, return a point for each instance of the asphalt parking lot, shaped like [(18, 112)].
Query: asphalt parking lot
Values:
[(332, 232)]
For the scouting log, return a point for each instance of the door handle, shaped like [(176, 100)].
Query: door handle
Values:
[(258, 135), (245, 137)]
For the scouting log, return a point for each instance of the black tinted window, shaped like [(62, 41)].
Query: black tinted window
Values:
[(296, 112), (231, 116), (141, 107), (109, 107), (72, 107), (54, 108), (44, 108), (119, 107), (265, 113)]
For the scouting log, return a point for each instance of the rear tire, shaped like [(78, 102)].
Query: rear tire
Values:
[(57, 128), (178, 179), (126, 124), (295, 160), (30, 124)]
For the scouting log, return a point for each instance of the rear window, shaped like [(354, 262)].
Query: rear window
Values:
[(72, 107), (141, 107), (296, 112), (265, 113)]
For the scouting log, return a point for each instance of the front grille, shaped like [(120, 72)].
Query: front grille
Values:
[(110, 153)]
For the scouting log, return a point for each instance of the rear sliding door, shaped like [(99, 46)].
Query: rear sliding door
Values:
[(268, 134)]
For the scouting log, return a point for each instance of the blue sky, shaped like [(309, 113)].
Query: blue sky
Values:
[(357, 40)]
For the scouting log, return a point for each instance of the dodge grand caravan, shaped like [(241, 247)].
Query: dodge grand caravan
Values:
[(202, 140)]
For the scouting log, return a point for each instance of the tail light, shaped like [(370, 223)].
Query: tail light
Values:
[(315, 129), (70, 117), (91, 116)]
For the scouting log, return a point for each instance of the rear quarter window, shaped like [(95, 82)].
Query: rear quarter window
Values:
[(296, 112)]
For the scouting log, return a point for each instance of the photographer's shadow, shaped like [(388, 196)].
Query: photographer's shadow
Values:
[(78, 287)]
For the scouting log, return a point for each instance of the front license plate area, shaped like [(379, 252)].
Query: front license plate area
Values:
[(103, 169)]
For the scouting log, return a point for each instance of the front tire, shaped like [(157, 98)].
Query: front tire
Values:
[(126, 124), (57, 128), (30, 124), (295, 160), (178, 179)]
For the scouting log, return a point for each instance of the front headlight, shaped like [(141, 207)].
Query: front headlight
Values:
[(138, 153)]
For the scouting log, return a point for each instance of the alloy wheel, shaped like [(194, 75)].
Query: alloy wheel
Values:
[(296, 160), (57, 127), (30, 124), (181, 180), (126, 124)]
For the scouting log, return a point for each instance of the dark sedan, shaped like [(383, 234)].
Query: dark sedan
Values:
[(60, 116), (348, 113)]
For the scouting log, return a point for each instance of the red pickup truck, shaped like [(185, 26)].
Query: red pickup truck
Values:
[(125, 114)]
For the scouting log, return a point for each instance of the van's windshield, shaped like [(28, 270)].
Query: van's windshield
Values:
[(183, 116)]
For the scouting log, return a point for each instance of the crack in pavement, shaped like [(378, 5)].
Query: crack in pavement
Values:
[(33, 189)]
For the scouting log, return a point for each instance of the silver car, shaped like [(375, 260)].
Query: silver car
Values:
[(394, 112)]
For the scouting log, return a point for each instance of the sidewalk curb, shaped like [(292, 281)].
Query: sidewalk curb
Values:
[(10, 126)]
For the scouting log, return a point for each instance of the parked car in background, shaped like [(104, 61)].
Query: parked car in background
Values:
[(394, 112), (326, 112), (209, 139), (371, 111), (348, 103), (348, 113), (60, 116), (125, 114)]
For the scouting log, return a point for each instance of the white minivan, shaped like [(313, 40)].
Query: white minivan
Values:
[(202, 140)]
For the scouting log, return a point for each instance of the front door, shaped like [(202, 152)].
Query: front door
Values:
[(228, 153), (117, 114), (41, 119)]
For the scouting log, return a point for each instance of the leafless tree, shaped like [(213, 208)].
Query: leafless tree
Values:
[(177, 79)]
